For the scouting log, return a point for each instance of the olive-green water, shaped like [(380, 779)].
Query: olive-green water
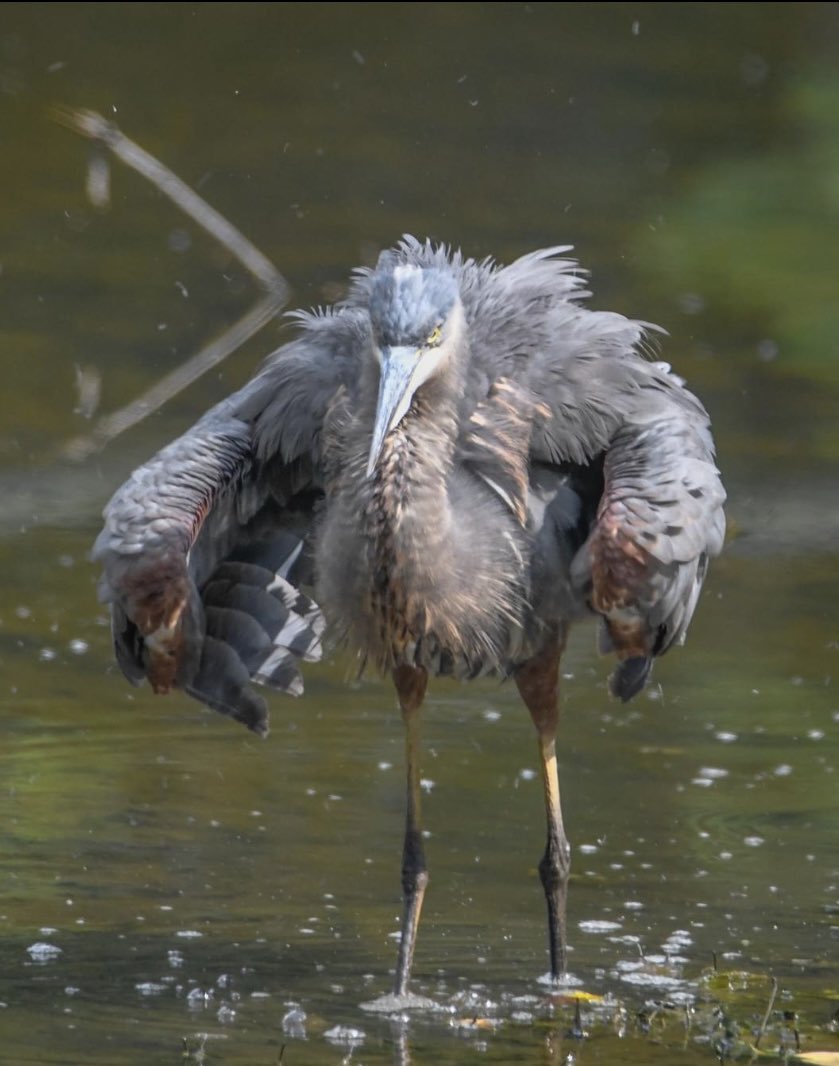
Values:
[(171, 887)]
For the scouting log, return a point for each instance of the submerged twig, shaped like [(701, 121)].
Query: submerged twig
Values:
[(93, 126), (110, 426), (768, 1013)]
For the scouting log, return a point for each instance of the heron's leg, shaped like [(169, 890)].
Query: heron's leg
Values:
[(537, 682), (410, 685)]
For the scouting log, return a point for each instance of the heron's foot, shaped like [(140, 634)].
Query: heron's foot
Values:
[(414, 884)]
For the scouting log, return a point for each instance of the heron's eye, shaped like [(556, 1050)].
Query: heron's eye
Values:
[(434, 337)]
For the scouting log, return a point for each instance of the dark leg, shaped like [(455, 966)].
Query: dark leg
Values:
[(410, 686), (537, 682)]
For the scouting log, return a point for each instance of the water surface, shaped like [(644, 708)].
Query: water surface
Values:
[(169, 885)]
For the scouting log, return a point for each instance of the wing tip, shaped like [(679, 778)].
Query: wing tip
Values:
[(630, 677)]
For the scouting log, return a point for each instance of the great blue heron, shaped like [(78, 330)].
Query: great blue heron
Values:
[(460, 460)]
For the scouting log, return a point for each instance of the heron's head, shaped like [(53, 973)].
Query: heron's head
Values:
[(417, 320)]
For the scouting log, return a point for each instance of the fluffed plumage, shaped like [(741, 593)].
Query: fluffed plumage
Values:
[(552, 472), (450, 466)]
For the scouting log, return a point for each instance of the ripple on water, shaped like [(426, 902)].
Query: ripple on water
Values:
[(567, 980), (393, 1004), (660, 981)]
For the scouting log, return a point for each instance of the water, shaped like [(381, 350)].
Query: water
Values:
[(172, 886)]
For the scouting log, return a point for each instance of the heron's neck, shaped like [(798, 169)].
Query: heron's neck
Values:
[(412, 475), (409, 519)]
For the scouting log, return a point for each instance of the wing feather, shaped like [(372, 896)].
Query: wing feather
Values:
[(205, 547), (659, 521)]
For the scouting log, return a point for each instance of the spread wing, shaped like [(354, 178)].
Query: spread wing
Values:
[(658, 523), (625, 498), (206, 548)]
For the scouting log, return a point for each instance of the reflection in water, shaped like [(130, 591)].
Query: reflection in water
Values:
[(704, 818)]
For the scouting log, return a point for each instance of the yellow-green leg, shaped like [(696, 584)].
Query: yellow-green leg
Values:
[(538, 681)]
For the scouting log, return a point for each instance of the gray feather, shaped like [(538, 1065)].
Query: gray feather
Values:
[(545, 470)]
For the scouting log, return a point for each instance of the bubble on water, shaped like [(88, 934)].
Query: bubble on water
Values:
[(294, 1023), (197, 998), (598, 925), (150, 988), (43, 952), (393, 1004), (653, 980), (680, 938), (345, 1036)]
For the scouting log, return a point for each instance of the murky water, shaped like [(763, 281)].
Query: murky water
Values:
[(169, 885)]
